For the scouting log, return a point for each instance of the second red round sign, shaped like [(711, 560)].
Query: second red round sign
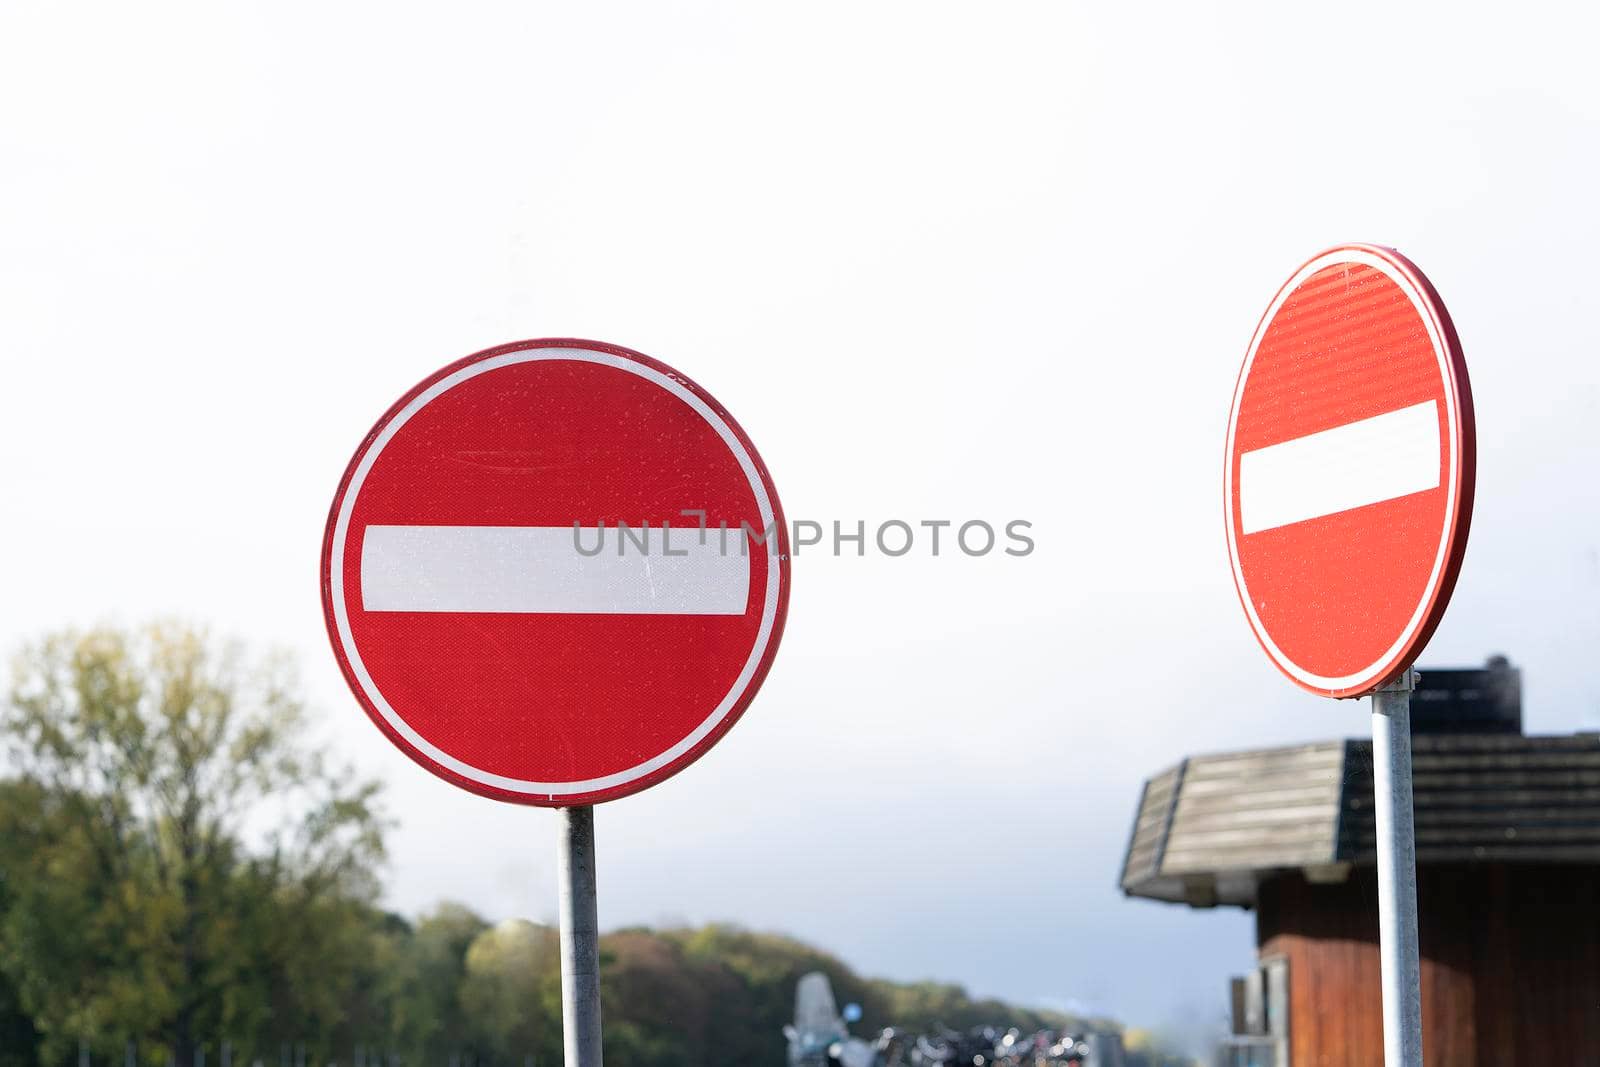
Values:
[(521, 588), (1349, 474)]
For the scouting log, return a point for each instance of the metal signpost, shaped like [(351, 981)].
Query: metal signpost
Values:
[(555, 573), (1348, 496)]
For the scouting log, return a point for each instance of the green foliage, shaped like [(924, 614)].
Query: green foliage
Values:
[(134, 908), (19, 1041), (1144, 1049), (929, 1005), (510, 995), (178, 868), (755, 976), (426, 967)]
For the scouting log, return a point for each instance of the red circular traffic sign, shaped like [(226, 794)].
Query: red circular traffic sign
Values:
[(515, 592), (1350, 466)]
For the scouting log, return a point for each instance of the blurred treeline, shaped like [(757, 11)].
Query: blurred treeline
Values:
[(182, 877)]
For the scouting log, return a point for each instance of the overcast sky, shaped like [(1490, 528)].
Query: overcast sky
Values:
[(976, 261)]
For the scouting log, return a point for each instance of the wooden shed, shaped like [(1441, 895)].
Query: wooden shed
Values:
[(1508, 883)]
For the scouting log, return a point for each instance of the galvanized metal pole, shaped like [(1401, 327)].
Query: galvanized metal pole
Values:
[(1397, 873), (580, 940)]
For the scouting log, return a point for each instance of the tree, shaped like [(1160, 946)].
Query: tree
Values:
[(429, 964), (187, 868), (763, 970), (512, 993), (19, 1040), (179, 868)]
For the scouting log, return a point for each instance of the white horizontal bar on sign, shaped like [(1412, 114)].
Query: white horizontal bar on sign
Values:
[(538, 570), (1364, 462)]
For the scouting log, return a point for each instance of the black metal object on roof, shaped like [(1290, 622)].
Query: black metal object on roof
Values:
[(1481, 700)]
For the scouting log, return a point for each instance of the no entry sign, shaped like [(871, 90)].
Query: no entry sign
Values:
[(1349, 474), (555, 572)]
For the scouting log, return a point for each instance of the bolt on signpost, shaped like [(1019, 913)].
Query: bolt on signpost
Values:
[(528, 587), (1348, 495)]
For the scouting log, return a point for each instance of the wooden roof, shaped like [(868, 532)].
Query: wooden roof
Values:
[(1208, 830)]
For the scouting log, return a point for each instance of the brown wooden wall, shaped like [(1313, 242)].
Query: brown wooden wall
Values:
[(1510, 965)]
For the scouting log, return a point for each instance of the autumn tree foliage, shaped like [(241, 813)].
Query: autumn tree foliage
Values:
[(179, 863), (182, 870)]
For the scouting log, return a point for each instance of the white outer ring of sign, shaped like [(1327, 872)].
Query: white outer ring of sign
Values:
[(1441, 352), (552, 790)]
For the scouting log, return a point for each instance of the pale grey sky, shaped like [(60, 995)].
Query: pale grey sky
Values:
[(941, 261)]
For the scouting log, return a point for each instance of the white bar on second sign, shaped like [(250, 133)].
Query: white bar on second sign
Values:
[(539, 570), (1365, 462)]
